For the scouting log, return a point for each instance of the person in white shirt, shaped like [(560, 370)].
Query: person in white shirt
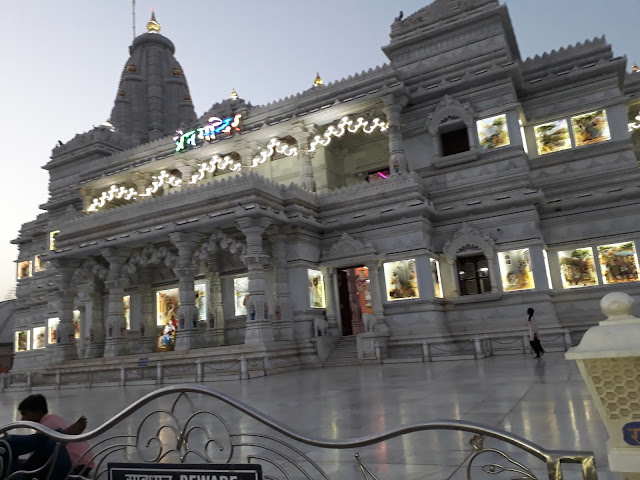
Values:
[(534, 340)]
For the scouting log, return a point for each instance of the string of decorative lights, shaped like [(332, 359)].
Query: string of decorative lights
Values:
[(635, 125), (347, 125), (227, 162), (274, 146)]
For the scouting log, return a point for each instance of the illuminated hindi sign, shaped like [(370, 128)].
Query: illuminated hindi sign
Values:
[(165, 471), (215, 127)]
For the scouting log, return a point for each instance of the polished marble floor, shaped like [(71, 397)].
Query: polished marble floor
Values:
[(543, 400)]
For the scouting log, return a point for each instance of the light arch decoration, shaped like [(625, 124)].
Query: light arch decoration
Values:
[(227, 162)]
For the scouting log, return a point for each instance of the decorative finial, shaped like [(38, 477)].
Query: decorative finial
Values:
[(318, 82), (234, 94), (635, 68), (153, 26)]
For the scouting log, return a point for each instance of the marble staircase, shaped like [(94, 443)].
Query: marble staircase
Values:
[(344, 353)]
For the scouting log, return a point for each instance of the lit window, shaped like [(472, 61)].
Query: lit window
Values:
[(578, 268), (402, 280), (590, 128), (618, 262), (22, 341), (552, 137), (515, 270), (52, 325), (493, 132), (38, 264), (25, 269), (241, 294), (39, 338), (435, 273), (52, 239), (316, 289)]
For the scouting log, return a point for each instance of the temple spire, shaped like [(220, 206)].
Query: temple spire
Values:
[(152, 25), (318, 82)]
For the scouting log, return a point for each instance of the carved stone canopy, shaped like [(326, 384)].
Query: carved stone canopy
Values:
[(348, 247), (468, 238), (449, 109)]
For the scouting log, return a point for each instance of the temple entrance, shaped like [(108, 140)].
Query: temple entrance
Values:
[(355, 298)]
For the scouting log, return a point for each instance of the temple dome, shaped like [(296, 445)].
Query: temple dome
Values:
[(153, 97)]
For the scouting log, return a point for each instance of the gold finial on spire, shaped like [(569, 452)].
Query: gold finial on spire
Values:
[(234, 94), (152, 25), (318, 82), (635, 68)]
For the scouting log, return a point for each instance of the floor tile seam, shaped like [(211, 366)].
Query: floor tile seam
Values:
[(466, 459)]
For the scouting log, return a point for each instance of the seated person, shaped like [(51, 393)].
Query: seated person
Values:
[(41, 449), (34, 409)]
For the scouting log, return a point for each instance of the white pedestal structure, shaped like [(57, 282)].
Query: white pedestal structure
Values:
[(609, 361)]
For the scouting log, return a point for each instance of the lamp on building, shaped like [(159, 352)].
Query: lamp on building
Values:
[(152, 25), (609, 362), (318, 82), (635, 68)]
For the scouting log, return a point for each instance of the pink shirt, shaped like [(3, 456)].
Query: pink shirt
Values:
[(79, 452)]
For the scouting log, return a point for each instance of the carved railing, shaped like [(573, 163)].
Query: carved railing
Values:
[(193, 429)]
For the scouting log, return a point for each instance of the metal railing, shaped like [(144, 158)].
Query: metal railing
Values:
[(199, 427)]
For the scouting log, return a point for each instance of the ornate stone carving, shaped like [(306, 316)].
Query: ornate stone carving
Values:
[(348, 246), (90, 268), (449, 108), (468, 237), (150, 255)]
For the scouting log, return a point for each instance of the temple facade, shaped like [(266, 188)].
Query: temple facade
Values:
[(435, 197)]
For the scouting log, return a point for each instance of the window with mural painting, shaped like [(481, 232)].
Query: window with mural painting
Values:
[(39, 338), (241, 295), (515, 270), (52, 326), (552, 137), (577, 268), (316, 289), (590, 128), (493, 132), (22, 341), (618, 262), (402, 280)]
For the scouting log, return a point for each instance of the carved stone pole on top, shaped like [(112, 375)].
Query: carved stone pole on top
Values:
[(257, 328), (187, 336), (116, 342), (393, 106), (65, 349), (303, 134)]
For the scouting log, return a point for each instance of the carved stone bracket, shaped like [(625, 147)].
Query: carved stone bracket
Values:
[(348, 247), (468, 237), (448, 109)]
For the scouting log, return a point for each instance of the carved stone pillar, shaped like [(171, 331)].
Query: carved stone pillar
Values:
[(393, 106), (333, 303), (187, 336), (116, 342), (141, 181), (449, 272), (303, 134), (65, 349), (215, 325), (283, 323), (376, 297), (95, 321), (148, 328), (257, 328)]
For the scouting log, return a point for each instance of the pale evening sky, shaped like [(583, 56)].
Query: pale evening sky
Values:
[(61, 62)]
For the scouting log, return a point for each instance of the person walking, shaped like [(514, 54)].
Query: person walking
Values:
[(534, 340)]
